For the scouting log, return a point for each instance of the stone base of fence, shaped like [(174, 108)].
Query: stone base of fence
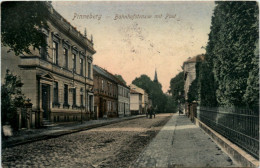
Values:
[(236, 153)]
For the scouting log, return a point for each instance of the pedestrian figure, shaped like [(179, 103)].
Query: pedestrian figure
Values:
[(151, 111), (155, 111)]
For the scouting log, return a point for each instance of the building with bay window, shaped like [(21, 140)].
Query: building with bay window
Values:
[(59, 80)]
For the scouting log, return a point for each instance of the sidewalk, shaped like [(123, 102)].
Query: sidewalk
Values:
[(31, 135), (180, 143)]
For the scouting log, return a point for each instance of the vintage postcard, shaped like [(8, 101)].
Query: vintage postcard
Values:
[(130, 83)]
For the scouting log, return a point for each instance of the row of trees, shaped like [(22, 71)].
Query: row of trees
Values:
[(229, 74)]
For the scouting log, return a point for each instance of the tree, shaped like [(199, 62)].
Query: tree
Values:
[(171, 106), (193, 91), (120, 78), (11, 98), (251, 96), (177, 86), (143, 82), (177, 91), (21, 23), (228, 77), (154, 90)]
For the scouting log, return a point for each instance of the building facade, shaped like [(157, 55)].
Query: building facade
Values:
[(106, 93), (189, 69), (135, 102), (59, 80), (123, 100), (145, 100)]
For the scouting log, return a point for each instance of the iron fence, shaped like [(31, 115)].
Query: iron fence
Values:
[(240, 126)]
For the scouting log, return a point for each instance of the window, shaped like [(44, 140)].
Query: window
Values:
[(108, 88), (89, 70), (43, 51), (74, 62), (81, 66), (55, 52), (55, 92), (81, 96), (102, 85), (74, 96), (65, 53), (65, 94), (90, 103)]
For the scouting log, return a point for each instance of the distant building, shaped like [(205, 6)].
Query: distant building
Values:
[(135, 102), (59, 80), (106, 93), (123, 99), (189, 70), (144, 98)]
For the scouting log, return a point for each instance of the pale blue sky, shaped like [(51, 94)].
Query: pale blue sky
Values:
[(134, 47)]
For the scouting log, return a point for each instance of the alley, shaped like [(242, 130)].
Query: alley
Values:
[(115, 145)]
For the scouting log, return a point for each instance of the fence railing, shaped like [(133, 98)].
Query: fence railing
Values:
[(240, 126)]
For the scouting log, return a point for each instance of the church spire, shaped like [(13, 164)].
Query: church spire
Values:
[(155, 76)]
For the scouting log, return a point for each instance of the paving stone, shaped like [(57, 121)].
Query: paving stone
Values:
[(181, 143)]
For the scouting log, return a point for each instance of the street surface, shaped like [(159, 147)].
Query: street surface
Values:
[(180, 143), (115, 145), (166, 141)]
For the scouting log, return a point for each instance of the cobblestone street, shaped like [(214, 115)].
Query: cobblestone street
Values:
[(115, 145)]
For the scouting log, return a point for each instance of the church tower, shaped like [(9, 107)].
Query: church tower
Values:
[(155, 76)]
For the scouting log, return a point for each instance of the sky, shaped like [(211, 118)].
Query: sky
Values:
[(134, 38)]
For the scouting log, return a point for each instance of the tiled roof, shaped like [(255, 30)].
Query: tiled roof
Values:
[(108, 75)]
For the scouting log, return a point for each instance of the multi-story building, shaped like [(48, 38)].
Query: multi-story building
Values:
[(145, 101), (123, 100), (59, 80), (135, 102), (189, 69), (106, 93)]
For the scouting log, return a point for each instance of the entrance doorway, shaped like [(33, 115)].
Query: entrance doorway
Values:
[(46, 100)]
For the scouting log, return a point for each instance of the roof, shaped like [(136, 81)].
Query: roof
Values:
[(59, 20), (134, 92), (196, 58), (108, 75)]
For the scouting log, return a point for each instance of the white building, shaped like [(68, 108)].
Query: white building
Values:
[(135, 102), (145, 101), (123, 100)]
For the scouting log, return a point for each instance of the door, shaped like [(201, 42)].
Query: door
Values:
[(46, 100)]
